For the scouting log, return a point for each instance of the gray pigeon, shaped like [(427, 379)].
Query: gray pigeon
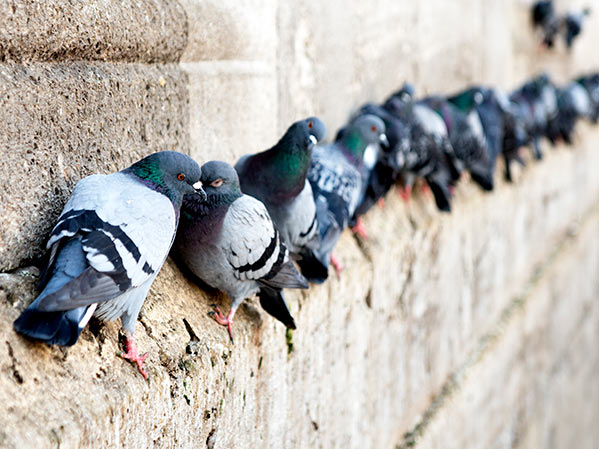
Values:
[(107, 248), (230, 242), (338, 178), (277, 177)]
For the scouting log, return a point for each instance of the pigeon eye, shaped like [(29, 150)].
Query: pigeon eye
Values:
[(217, 183), (181, 177), (373, 128), (310, 125)]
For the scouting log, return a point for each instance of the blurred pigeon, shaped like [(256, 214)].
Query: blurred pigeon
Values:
[(496, 116), (515, 134), (107, 248), (545, 18), (572, 25), (591, 84), (429, 153), (467, 137), (338, 178), (230, 242), (390, 160), (536, 104), (574, 103), (277, 177)]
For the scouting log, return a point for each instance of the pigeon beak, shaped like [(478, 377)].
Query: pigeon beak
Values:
[(383, 139), (313, 140), (198, 188)]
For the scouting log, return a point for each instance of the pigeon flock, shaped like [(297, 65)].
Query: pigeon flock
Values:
[(272, 221), (550, 24)]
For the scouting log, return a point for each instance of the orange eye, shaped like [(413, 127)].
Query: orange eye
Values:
[(373, 128), (181, 177), (217, 183), (310, 125)]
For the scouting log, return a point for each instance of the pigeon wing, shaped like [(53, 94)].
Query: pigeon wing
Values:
[(126, 230)]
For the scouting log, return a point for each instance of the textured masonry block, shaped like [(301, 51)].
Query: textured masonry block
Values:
[(61, 122), (111, 30), (231, 30), (232, 109)]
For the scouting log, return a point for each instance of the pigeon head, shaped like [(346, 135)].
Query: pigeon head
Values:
[(363, 131), (406, 93), (301, 136), (220, 182), (313, 128), (468, 99), (170, 173)]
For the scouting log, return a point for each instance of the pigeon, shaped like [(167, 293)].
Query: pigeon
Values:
[(573, 102), (537, 108), (277, 177), (515, 134), (429, 153), (338, 178), (107, 247), (591, 84), (230, 242), (467, 138), (572, 25), (544, 17), (389, 161)]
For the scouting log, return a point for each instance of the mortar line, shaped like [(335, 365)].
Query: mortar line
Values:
[(489, 340)]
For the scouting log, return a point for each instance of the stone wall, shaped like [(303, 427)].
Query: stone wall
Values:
[(475, 329)]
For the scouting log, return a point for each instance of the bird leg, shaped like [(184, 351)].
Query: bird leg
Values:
[(337, 265), (360, 229), (381, 202), (133, 356), (224, 321), (405, 193), (425, 189)]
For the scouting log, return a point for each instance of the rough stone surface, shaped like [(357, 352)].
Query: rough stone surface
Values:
[(110, 30), (362, 357), (375, 351), (545, 364), (61, 122)]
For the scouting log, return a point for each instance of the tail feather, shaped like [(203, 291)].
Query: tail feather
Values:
[(286, 277), (273, 302), (313, 268), (60, 328)]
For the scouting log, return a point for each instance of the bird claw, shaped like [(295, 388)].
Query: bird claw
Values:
[(223, 320), (134, 357), (337, 265), (360, 230), (404, 193)]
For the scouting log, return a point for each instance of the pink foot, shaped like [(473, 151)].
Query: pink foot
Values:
[(134, 357), (405, 193), (381, 203), (224, 321), (452, 190), (337, 265), (360, 229), (426, 189)]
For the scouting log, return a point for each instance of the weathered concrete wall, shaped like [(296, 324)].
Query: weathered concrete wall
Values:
[(467, 330)]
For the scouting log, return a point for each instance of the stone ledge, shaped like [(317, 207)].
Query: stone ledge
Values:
[(112, 30), (377, 338)]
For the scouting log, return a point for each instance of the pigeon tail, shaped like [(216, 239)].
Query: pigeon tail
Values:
[(59, 328), (313, 268), (484, 180), (273, 302)]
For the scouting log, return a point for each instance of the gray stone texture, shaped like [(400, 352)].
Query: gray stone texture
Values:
[(90, 89)]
